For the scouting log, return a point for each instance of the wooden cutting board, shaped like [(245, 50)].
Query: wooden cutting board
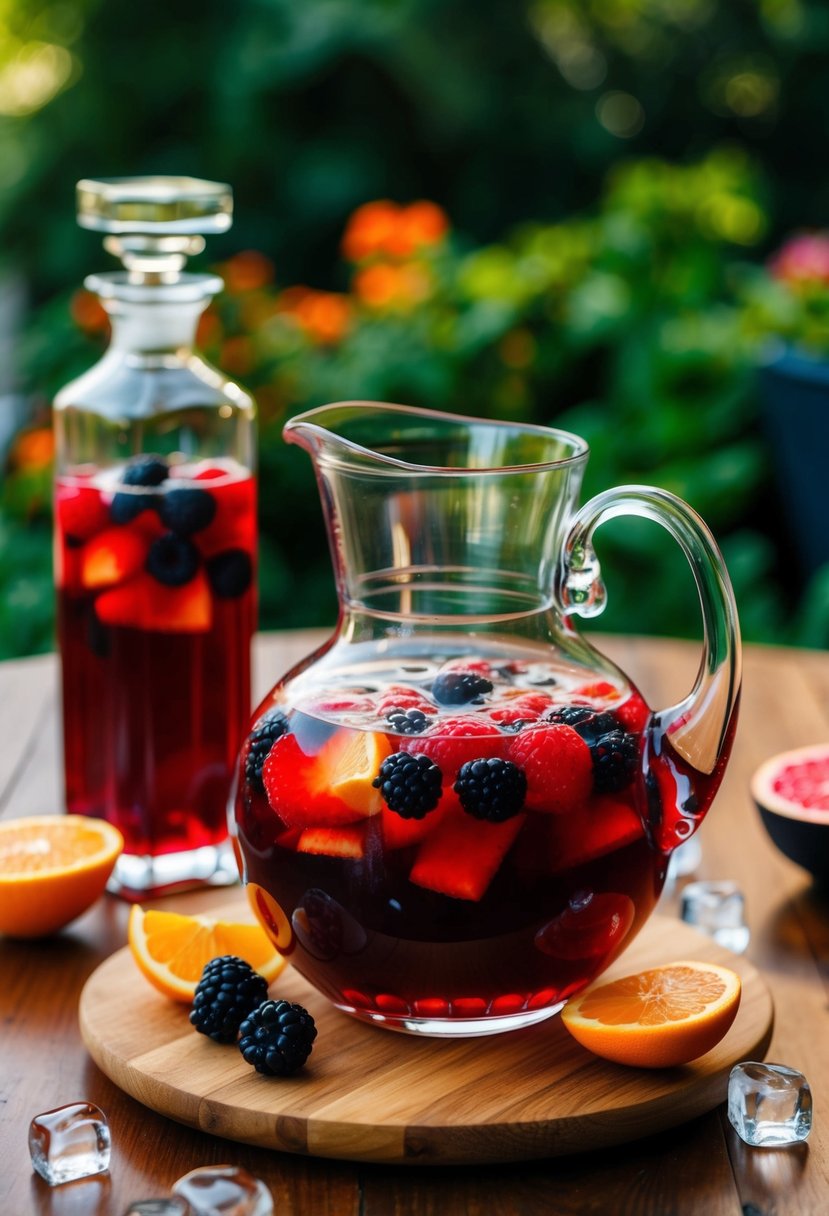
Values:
[(368, 1094)]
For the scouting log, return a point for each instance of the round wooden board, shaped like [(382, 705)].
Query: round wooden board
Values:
[(367, 1094)]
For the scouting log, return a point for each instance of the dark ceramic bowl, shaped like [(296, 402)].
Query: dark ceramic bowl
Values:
[(780, 788)]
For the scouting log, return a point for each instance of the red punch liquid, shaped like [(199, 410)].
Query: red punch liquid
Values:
[(451, 916), (156, 609)]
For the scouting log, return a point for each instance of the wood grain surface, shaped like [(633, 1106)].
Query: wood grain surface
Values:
[(697, 1169), (369, 1094)]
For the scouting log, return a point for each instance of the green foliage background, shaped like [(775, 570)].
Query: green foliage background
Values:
[(609, 168)]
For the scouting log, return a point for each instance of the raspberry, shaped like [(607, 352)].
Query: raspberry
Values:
[(277, 1038), (491, 789), (558, 767), (633, 713), (525, 708), (450, 742)]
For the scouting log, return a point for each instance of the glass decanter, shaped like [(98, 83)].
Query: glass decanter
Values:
[(457, 813), (155, 546)]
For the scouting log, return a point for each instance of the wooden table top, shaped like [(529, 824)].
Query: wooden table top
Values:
[(699, 1169)]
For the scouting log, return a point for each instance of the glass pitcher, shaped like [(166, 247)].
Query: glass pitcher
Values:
[(457, 813)]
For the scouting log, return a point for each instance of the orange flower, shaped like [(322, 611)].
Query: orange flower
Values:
[(247, 271), (383, 228), (383, 285), (322, 315), (33, 450), (418, 225), (88, 312), (369, 229)]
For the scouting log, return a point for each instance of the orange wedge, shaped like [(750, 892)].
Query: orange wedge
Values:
[(171, 950), (657, 1018), (354, 761), (52, 868)]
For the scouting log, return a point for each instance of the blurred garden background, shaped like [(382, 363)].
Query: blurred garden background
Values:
[(600, 214)]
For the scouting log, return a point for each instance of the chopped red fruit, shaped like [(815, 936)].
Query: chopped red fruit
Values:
[(450, 742), (399, 833), (460, 858), (479, 667), (347, 841), (112, 556), (599, 690), (632, 713), (525, 708), (558, 767), (144, 603), (554, 844), (301, 788), (342, 704), (233, 525), (81, 511), (593, 925)]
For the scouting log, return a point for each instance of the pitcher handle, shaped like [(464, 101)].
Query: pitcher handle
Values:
[(698, 726)]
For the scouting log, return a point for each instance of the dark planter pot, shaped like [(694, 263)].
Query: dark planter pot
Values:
[(795, 393)]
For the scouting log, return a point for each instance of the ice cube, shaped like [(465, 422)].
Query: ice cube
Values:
[(224, 1190), (769, 1105), (718, 909), (69, 1142), (159, 1207)]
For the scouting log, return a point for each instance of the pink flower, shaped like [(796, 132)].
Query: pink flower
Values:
[(802, 259)]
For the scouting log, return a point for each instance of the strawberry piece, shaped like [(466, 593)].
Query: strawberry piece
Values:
[(450, 742), (633, 713), (399, 833), (144, 603), (527, 707), (81, 511), (558, 767), (347, 841), (593, 926), (342, 704), (112, 556), (555, 843), (599, 690), (234, 524), (461, 856), (399, 696), (478, 667), (299, 784)]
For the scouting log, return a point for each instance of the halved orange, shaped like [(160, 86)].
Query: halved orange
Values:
[(52, 868), (172, 950), (657, 1018)]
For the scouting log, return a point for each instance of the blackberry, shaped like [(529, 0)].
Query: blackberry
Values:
[(591, 724), (460, 687), (407, 721), (230, 573), (277, 1038), (491, 788), (615, 752), (186, 511), (615, 759), (410, 784), (270, 727), (146, 471), (172, 560), (227, 992), (126, 506)]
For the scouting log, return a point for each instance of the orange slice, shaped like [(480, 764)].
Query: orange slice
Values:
[(52, 868), (172, 950), (354, 759), (657, 1018)]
